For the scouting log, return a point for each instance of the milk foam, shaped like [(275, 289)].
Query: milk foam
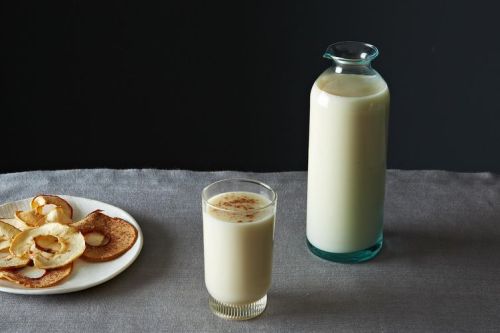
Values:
[(238, 207)]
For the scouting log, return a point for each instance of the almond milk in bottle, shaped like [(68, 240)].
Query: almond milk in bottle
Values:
[(349, 110)]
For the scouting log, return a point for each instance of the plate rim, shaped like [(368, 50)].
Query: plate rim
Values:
[(59, 289)]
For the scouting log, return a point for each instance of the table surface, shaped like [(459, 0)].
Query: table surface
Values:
[(439, 270)]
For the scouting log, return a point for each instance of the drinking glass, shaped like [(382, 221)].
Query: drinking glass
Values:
[(238, 232)]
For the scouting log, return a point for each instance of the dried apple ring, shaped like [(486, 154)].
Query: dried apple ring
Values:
[(16, 223), (46, 199), (7, 234), (30, 217), (7, 259), (106, 237), (72, 245), (33, 277)]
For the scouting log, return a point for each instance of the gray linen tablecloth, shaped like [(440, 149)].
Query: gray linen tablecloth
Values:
[(438, 271)]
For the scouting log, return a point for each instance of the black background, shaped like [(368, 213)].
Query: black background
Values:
[(212, 85)]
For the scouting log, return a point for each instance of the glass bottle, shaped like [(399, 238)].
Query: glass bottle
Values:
[(349, 112)]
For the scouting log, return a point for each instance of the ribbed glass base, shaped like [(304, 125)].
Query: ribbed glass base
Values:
[(237, 311), (350, 257)]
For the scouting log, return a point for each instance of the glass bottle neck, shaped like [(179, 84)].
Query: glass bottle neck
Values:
[(350, 57), (353, 68)]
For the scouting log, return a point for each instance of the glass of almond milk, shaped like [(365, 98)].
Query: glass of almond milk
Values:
[(238, 233)]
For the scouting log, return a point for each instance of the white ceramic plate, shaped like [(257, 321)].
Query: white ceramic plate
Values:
[(84, 274)]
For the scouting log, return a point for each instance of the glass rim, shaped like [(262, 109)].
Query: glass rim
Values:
[(243, 180), (332, 52)]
